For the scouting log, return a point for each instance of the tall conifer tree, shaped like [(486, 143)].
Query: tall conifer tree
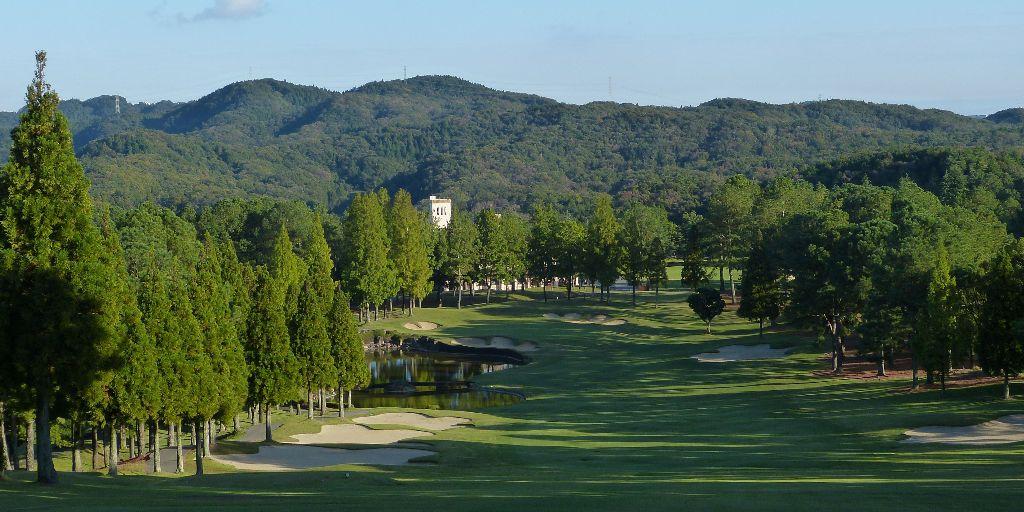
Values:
[(50, 255)]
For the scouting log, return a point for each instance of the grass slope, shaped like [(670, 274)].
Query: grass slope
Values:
[(622, 419)]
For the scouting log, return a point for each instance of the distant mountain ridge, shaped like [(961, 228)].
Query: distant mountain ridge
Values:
[(441, 134)]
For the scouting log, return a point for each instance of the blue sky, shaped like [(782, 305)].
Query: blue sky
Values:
[(964, 56)]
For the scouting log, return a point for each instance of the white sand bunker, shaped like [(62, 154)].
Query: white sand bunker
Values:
[(497, 342), (297, 457), (576, 318), (1008, 429), (356, 434), (420, 326), (732, 353), (414, 420)]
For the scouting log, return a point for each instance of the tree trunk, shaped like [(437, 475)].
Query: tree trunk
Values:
[(5, 463), (708, 323), (154, 435), (341, 400), (459, 303), (350, 399), (881, 363), (568, 290), (31, 445), (95, 445), (113, 457), (139, 437), (76, 451), (760, 327), (323, 402), (207, 434), (1006, 386), (634, 295), (544, 287), (942, 382), (721, 278), (488, 301), (178, 449), (732, 287), (913, 364), (14, 442), (309, 402), (266, 426), (197, 427)]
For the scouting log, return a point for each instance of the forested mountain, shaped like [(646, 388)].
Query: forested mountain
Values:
[(445, 135)]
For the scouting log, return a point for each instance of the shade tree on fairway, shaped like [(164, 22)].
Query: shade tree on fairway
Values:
[(706, 303)]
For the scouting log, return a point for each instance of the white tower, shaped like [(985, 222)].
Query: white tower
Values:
[(440, 211)]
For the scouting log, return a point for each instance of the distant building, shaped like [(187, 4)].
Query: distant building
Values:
[(440, 211)]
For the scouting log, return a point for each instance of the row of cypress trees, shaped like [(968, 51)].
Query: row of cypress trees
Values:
[(132, 323)]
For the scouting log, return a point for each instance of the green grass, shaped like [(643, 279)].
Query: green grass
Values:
[(620, 418)]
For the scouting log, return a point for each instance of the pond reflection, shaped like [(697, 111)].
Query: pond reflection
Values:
[(430, 382)]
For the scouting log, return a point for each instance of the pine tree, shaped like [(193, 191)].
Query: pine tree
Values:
[(692, 251), (51, 256), (602, 245), (272, 374), (761, 290), (1001, 344), (409, 250), (936, 323), (134, 392), (368, 272), (347, 349), (311, 345)]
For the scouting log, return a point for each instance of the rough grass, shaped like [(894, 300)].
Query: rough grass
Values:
[(622, 419)]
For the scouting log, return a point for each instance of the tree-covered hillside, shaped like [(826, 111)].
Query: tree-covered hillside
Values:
[(482, 147)]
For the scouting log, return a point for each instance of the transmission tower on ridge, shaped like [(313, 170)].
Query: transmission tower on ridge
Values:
[(117, 104)]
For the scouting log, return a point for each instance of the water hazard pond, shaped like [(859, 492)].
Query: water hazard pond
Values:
[(430, 381)]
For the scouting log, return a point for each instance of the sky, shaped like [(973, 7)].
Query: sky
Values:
[(964, 56)]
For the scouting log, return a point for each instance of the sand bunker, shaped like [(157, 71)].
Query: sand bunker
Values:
[(414, 420), (1008, 429), (297, 457), (497, 342), (732, 353), (356, 434), (420, 326), (576, 318)]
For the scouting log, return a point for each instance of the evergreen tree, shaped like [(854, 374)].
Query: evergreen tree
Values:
[(761, 288), (287, 269), (409, 249), (936, 324), (707, 303), (1001, 346), (693, 259), (311, 345), (347, 349), (272, 365), (51, 261), (368, 271), (602, 245), (135, 391)]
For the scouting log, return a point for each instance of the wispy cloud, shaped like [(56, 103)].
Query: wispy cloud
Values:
[(232, 10)]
